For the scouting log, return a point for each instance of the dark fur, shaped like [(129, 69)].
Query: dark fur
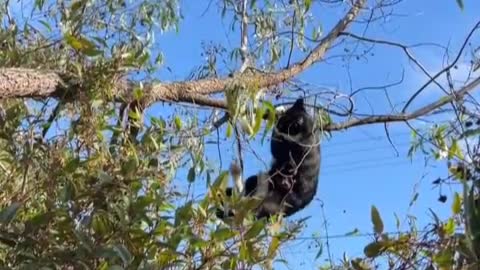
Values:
[(291, 183)]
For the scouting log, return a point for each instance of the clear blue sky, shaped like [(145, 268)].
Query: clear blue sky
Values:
[(359, 167)]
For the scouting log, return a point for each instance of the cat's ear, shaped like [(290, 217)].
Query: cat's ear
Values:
[(299, 104)]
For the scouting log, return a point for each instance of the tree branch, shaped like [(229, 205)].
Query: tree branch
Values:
[(24, 83), (244, 37), (402, 117)]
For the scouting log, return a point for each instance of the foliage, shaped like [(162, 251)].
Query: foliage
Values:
[(82, 202), (88, 195)]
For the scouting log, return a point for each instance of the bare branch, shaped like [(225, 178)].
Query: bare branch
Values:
[(402, 117), (244, 37), (475, 28)]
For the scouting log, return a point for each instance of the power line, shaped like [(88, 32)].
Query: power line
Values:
[(376, 138), (367, 149), (347, 164), (354, 235), (350, 169)]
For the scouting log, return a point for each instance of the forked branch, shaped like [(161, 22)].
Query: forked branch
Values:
[(24, 83)]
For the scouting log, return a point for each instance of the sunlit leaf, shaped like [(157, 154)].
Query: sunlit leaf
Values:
[(229, 129), (80, 44), (178, 122), (450, 226), (258, 120), (308, 3), (273, 247), (457, 203)]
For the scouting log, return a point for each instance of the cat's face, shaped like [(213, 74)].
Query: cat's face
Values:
[(296, 122)]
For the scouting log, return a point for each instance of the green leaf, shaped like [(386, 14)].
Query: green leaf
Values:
[(191, 175), (223, 234), (255, 229), (123, 253), (39, 4), (183, 214), (221, 181), (84, 240), (271, 118), (258, 120), (320, 251), (308, 4), (178, 122), (374, 249), (229, 129), (273, 247), (44, 23), (7, 214), (457, 203), (134, 115), (450, 226), (246, 127), (100, 224), (104, 177), (444, 258), (71, 165), (79, 43), (455, 151), (92, 52), (460, 4), (359, 264), (138, 93), (37, 221), (77, 5), (376, 220)]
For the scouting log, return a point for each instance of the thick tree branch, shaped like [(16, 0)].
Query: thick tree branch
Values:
[(23, 83)]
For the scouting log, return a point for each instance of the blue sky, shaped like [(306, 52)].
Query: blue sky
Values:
[(359, 166)]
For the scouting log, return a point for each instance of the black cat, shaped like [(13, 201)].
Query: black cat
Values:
[(291, 183)]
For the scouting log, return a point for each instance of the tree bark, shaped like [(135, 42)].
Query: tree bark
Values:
[(31, 83)]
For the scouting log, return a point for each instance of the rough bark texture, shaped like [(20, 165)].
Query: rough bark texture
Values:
[(22, 83), (18, 82)]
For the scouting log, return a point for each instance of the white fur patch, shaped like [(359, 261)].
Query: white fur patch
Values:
[(236, 172), (238, 183), (280, 109)]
